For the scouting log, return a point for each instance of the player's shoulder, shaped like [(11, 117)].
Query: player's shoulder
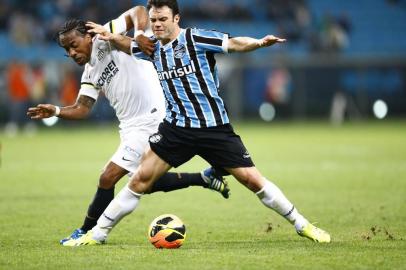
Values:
[(200, 34), (87, 73), (101, 45), (87, 68), (197, 30), (99, 42)]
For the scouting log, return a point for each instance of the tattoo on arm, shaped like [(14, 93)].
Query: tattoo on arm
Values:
[(86, 101)]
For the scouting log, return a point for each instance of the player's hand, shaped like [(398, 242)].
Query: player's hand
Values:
[(41, 111), (100, 30), (270, 40), (145, 44)]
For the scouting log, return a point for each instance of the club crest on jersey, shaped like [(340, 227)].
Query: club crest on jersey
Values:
[(156, 56), (155, 138), (100, 54), (179, 51), (102, 50)]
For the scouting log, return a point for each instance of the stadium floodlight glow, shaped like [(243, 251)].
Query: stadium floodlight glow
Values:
[(380, 109), (267, 111), (49, 122)]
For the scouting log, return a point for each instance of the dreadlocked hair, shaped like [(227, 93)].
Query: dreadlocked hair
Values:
[(72, 24)]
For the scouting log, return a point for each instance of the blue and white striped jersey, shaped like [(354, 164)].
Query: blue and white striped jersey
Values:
[(188, 74)]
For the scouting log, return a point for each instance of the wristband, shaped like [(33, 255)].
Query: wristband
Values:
[(137, 33), (57, 110)]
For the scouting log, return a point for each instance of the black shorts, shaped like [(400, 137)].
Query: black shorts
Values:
[(219, 146)]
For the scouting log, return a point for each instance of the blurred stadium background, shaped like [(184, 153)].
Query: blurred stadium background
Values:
[(341, 57)]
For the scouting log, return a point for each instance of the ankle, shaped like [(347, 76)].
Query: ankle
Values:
[(99, 234), (300, 223)]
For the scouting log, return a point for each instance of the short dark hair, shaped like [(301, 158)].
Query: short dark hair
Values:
[(172, 4), (69, 25)]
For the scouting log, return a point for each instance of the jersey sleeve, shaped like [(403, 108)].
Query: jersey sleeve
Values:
[(210, 40), (117, 26), (87, 88), (137, 53)]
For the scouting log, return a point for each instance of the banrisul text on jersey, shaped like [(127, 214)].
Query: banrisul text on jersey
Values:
[(176, 72)]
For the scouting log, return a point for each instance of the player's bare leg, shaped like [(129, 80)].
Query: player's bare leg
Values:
[(151, 168)]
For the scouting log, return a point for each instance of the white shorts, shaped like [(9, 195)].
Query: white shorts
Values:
[(134, 143)]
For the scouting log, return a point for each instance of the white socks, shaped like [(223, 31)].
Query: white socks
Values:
[(123, 204), (272, 197), (126, 201)]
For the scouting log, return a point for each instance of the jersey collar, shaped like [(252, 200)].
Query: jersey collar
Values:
[(169, 44)]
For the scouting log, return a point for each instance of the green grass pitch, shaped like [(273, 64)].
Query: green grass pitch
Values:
[(351, 180)]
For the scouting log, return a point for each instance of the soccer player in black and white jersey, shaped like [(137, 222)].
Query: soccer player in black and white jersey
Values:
[(196, 122), (133, 90)]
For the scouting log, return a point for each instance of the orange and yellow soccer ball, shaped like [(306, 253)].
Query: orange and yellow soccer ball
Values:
[(167, 231)]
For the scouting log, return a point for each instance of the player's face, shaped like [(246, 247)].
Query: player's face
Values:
[(77, 46), (164, 24)]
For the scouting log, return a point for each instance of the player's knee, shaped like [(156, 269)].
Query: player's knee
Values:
[(140, 182), (252, 179), (245, 176), (138, 186), (107, 180)]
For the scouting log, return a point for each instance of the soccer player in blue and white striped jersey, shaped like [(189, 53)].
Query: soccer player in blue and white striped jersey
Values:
[(187, 70), (196, 121)]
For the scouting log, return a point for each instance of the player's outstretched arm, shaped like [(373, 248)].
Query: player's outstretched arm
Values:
[(123, 43), (247, 44), (77, 111)]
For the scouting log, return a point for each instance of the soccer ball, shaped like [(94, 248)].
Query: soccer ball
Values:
[(167, 231)]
